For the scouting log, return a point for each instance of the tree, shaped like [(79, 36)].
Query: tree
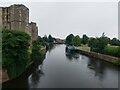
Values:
[(45, 38), (98, 44), (91, 41), (15, 55), (76, 41), (50, 39), (69, 39), (115, 42), (84, 39)]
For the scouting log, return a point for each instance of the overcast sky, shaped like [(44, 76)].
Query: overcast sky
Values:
[(62, 18)]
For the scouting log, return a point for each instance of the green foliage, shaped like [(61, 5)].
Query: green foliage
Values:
[(115, 42), (84, 39), (36, 53), (15, 54), (69, 39), (76, 41), (41, 41), (112, 50), (91, 41), (50, 39), (98, 44), (116, 62), (45, 38)]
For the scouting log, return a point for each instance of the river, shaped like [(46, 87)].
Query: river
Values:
[(61, 70)]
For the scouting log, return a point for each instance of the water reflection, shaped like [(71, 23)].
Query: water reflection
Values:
[(34, 71), (34, 79), (51, 47), (58, 71), (71, 55), (97, 66)]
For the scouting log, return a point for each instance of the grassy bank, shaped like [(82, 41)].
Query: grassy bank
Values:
[(83, 47), (112, 51)]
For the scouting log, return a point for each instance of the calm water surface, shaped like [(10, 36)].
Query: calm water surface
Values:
[(62, 70)]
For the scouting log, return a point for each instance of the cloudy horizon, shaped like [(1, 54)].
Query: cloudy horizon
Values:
[(63, 18)]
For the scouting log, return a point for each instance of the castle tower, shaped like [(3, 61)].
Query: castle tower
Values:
[(19, 17)]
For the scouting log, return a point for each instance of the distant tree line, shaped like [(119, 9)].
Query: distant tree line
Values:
[(101, 44), (76, 40), (46, 41)]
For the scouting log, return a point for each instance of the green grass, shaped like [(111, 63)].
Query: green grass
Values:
[(112, 50), (84, 48)]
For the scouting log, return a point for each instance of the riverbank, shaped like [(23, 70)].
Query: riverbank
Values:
[(108, 58), (4, 73), (5, 77), (66, 72)]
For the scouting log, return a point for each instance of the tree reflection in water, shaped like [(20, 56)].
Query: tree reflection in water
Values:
[(97, 66), (71, 55), (35, 76), (51, 47)]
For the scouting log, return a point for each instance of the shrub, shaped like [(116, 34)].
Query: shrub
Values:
[(112, 50), (15, 54), (37, 54)]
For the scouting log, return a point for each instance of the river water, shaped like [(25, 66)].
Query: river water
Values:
[(62, 70)]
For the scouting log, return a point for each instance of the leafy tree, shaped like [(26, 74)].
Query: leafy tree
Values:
[(76, 41), (45, 38), (84, 39), (115, 42), (50, 39), (69, 39), (41, 41), (98, 44), (91, 41), (15, 55)]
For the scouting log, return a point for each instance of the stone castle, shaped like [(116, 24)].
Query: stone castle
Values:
[(16, 17)]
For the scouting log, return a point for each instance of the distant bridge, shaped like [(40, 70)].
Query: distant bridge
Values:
[(59, 41)]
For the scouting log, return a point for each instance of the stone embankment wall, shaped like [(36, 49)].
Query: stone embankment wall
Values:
[(100, 56)]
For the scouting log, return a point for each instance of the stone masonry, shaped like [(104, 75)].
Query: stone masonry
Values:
[(16, 17)]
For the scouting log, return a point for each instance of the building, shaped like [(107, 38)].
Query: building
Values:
[(19, 17), (16, 17), (34, 30), (1, 17)]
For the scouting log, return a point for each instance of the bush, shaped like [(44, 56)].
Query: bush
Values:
[(37, 54), (15, 54), (112, 50)]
